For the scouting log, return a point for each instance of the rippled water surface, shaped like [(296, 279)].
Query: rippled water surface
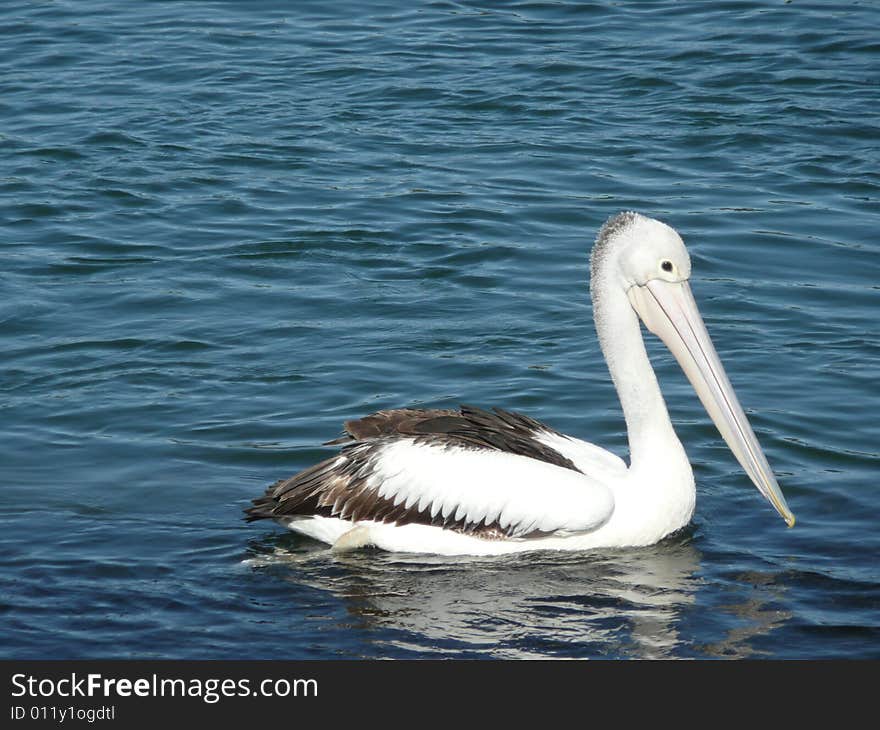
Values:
[(228, 227)]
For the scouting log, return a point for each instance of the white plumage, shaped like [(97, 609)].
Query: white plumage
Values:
[(490, 487), (474, 482)]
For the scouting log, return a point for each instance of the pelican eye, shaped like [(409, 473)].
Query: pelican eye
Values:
[(666, 265)]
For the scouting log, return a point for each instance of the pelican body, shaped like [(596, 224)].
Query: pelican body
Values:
[(475, 482)]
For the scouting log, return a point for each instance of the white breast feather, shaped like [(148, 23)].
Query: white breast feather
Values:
[(592, 460)]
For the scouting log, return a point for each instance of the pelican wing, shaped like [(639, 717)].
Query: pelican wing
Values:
[(403, 480), (471, 427)]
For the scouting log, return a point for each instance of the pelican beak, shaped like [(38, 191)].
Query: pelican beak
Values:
[(669, 311)]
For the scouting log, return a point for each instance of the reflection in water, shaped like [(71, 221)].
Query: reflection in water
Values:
[(754, 616), (626, 603)]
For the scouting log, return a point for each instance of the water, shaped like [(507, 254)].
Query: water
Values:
[(228, 227)]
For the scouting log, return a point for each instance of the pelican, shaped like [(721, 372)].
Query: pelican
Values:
[(476, 482)]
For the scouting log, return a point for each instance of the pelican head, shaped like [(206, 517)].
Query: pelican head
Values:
[(648, 260)]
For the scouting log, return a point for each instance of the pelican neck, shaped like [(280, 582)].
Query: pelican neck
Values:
[(648, 425)]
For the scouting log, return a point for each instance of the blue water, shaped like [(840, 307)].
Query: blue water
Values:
[(229, 226)]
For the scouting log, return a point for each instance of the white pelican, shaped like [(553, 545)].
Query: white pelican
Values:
[(471, 482)]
